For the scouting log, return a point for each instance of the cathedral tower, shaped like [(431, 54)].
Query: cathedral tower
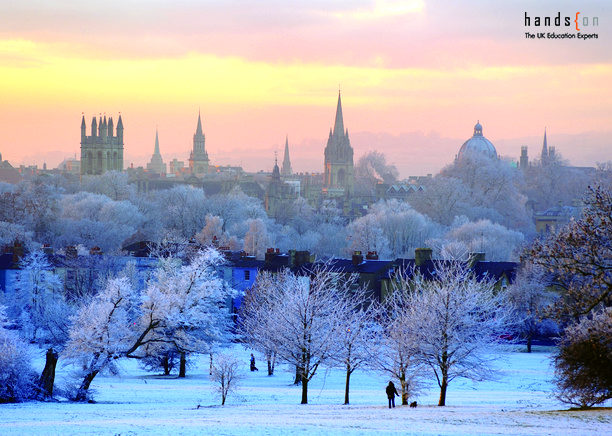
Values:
[(198, 160), (338, 158), (103, 150)]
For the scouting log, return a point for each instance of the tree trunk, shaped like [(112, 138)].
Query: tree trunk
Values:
[(183, 365), (271, 358), (298, 376), (529, 343), (166, 365), (346, 387), (84, 388), (404, 385), (444, 374), (443, 387), (304, 390), (47, 377)]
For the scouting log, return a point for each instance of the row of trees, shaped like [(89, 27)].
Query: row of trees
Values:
[(445, 325), (106, 211)]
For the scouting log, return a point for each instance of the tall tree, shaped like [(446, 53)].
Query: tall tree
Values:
[(355, 338), (300, 315), (530, 296), (453, 319), (579, 256)]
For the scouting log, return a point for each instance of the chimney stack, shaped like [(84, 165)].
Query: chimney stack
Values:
[(422, 255)]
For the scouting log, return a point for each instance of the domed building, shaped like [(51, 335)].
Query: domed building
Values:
[(478, 144)]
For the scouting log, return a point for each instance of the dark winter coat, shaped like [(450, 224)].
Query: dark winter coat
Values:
[(391, 391)]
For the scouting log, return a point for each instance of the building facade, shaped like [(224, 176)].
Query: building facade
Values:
[(103, 150)]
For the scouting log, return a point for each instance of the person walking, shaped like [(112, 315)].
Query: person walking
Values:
[(253, 367), (391, 393)]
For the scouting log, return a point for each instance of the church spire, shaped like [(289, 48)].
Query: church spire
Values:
[(156, 152), (286, 169), (199, 129), (339, 123), (545, 146)]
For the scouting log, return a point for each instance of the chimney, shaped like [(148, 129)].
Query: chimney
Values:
[(270, 255), (71, 252), (357, 257), (475, 257), (17, 251), (372, 255), (422, 255)]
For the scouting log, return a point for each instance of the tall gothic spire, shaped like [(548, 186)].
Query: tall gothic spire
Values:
[(545, 146), (156, 152), (286, 169), (199, 129), (339, 123)]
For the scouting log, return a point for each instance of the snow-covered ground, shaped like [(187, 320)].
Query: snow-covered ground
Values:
[(139, 403)]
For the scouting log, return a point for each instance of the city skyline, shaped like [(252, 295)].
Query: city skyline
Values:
[(415, 78)]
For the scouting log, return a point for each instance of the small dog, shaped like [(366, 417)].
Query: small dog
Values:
[(413, 404)]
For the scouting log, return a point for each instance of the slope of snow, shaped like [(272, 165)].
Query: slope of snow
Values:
[(139, 403)]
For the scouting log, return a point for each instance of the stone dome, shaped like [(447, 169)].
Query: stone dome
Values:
[(478, 144)]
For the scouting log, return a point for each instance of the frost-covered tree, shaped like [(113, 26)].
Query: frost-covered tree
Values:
[(182, 209), (365, 234), (95, 220), (300, 314), (578, 255), (113, 184), (356, 337), (40, 305), (102, 332), (529, 295), (17, 378), (234, 209), (256, 240), (213, 232), (479, 188), (183, 306), (256, 316), (31, 204), (404, 228), (225, 375), (552, 181), (395, 350), (443, 199), (453, 320), (583, 361), (498, 242)]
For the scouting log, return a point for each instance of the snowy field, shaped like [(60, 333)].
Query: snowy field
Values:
[(139, 403)]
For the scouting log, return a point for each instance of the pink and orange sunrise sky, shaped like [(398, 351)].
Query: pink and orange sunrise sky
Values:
[(415, 76)]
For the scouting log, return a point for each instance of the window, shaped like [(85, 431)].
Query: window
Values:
[(247, 275)]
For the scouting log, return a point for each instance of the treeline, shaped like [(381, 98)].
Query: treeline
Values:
[(484, 205)]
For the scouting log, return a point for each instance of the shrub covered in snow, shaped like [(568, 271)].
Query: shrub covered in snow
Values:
[(17, 378), (583, 372)]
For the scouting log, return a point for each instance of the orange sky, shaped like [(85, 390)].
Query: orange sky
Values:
[(415, 75)]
